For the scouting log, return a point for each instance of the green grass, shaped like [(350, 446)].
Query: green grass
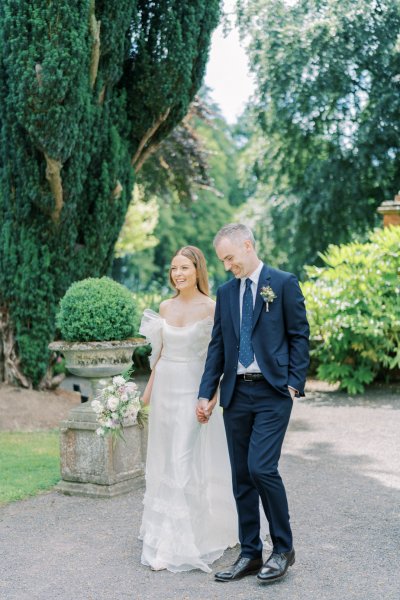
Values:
[(29, 463)]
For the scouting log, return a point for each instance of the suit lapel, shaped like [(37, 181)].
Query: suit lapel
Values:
[(264, 279), (235, 306)]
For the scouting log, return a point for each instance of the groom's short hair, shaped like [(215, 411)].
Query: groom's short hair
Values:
[(236, 232)]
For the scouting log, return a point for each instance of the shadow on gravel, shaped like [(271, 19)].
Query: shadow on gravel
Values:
[(346, 524), (377, 396)]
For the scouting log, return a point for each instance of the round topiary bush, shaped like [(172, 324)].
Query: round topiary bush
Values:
[(97, 310)]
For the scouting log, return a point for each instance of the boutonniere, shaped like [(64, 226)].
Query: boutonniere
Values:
[(268, 295)]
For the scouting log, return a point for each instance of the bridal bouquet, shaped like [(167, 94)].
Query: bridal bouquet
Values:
[(117, 403)]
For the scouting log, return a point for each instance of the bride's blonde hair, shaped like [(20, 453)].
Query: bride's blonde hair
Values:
[(196, 256)]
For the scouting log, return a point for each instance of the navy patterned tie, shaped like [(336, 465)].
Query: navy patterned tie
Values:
[(246, 352)]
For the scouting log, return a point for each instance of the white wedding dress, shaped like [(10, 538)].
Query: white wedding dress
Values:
[(189, 516)]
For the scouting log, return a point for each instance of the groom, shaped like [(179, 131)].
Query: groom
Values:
[(259, 346)]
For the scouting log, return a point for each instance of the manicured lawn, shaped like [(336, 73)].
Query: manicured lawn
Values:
[(29, 463)]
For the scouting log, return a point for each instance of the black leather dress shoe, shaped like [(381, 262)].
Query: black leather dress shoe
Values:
[(242, 567), (276, 566)]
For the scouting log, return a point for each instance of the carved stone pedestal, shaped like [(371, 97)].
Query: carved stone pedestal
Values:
[(95, 466), (92, 465)]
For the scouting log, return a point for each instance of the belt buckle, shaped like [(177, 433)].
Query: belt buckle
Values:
[(247, 377)]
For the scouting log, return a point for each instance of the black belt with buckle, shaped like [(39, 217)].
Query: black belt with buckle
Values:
[(251, 377)]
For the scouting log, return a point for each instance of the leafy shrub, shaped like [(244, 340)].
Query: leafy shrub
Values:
[(58, 365), (353, 306), (97, 310)]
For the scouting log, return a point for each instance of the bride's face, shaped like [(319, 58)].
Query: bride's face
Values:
[(183, 273)]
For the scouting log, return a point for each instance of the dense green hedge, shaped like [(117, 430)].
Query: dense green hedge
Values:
[(353, 305), (96, 310), (87, 91)]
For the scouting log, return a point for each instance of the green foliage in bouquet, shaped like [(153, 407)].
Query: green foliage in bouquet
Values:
[(353, 305), (97, 310)]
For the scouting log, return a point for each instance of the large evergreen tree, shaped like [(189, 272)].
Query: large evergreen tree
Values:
[(87, 92)]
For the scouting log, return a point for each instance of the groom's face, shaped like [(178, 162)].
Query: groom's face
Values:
[(236, 256)]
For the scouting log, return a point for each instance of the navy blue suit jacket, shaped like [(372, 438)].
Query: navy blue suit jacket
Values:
[(279, 337)]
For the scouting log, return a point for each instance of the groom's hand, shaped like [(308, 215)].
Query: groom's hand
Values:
[(204, 409), (202, 412), (292, 392)]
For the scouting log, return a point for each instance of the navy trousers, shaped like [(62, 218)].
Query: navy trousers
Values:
[(255, 423)]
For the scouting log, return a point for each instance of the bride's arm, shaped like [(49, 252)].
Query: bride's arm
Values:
[(204, 408), (148, 389)]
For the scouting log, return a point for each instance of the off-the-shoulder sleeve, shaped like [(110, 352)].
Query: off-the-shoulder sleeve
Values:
[(151, 328)]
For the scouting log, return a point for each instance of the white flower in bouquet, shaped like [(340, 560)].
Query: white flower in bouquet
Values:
[(132, 413), (116, 403), (112, 403), (131, 386), (97, 406)]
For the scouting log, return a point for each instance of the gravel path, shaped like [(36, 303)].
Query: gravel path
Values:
[(340, 464)]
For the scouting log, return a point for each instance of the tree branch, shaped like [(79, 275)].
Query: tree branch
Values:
[(145, 141), (94, 26), (53, 168), (117, 191), (12, 372), (147, 152), (102, 95)]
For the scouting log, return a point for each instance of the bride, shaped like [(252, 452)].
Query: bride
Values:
[(189, 516)]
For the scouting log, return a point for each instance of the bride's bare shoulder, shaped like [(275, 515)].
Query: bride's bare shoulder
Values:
[(210, 306), (165, 306)]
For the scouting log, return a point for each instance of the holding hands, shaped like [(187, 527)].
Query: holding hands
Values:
[(204, 409)]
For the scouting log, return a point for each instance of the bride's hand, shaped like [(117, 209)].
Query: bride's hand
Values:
[(202, 411)]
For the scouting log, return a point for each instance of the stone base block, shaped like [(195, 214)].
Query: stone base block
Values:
[(92, 490), (95, 466)]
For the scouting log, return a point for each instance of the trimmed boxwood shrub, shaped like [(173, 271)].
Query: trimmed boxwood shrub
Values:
[(353, 305), (97, 310)]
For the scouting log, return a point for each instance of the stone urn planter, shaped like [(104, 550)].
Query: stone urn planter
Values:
[(97, 360), (92, 465)]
